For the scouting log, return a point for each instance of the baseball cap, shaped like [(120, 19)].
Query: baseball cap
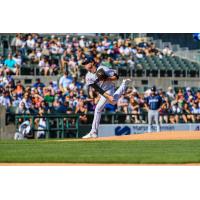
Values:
[(153, 89), (87, 60)]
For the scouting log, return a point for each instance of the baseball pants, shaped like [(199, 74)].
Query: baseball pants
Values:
[(153, 114), (101, 104)]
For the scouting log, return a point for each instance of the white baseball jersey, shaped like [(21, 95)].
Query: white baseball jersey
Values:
[(91, 78)]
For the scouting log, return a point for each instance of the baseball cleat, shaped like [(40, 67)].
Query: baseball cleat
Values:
[(126, 81), (90, 135)]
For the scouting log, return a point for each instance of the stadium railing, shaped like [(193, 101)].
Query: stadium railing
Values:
[(56, 123), (68, 125)]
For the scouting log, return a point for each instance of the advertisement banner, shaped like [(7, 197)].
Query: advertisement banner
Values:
[(107, 130)]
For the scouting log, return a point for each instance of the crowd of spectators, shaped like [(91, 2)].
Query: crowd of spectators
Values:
[(54, 54), (73, 97), (177, 107), (70, 95)]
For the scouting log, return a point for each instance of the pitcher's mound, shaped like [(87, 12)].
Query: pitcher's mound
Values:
[(167, 135)]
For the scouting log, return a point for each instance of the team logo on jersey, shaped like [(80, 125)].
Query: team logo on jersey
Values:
[(122, 130)]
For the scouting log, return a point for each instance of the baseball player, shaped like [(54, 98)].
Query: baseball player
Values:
[(102, 80), (153, 104), (24, 131)]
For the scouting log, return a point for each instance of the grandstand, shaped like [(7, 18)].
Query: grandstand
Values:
[(142, 69), (184, 40), (149, 59)]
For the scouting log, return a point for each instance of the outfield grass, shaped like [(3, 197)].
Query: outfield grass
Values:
[(32, 151)]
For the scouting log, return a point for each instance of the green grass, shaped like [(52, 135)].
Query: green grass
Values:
[(32, 151)]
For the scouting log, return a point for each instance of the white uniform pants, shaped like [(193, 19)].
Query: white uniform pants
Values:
[(101, 104)]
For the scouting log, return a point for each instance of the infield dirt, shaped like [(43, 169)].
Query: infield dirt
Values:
[(166, 135)]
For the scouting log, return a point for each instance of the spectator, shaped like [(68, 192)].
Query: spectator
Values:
[(82, 110), (167, 51), (72, 67), (18, 59), (122, 104), (38, 83), (165, 111), (134, 109), (82, 42), (127, 50), (21, 109), (186, 114), (170, 93), (15, 101), (64, 61), (143, 44), (54, 48), (180, 94), (48, 95), (27, 101), (40, 124), (44, 66), (37, 100), (1, 65), (19, 89), (45, 50), (11, 65), (64, 82), (106, 42), (18, 42), (140, 53), (197, 97), (38, 55), (30, 43), (188, 94), (196, 111), (5, 100), (53, 69)]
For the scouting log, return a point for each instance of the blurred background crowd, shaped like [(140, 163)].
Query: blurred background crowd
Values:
[(71, 96), (63, 58), (53, 55)]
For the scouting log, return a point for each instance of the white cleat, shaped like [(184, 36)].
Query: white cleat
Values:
[(126, 81), (90, 135)]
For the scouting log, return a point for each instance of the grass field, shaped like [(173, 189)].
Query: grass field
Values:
[(138, 152)]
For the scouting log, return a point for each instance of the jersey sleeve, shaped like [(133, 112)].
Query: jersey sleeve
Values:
[(89, 79), (146, 100), (97, 88), (108, 71)]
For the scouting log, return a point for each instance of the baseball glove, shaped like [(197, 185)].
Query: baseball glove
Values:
[(101, 75)]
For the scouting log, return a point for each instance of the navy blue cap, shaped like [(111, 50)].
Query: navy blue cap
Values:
[(153, 89), (87, 60)]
